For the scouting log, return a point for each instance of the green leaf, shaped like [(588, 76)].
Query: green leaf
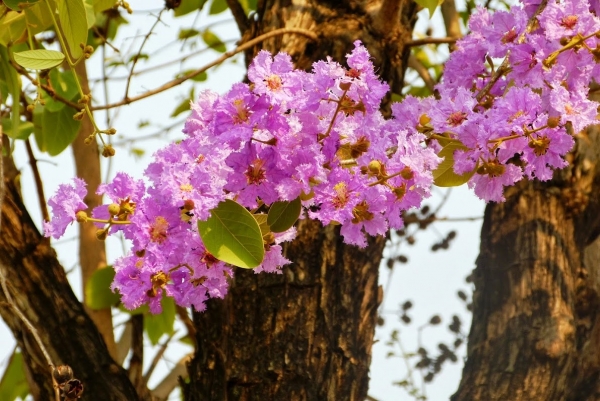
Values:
[(24, 129), (39, 59), (19, 5), (58, 130), (13, 82), (188, 6), (90, 13), (102, 5), (184, 105), (203, 76), (213, 41), (431, 5), (63, 83), (187, 33), (12, 28), (444, 175), (248, 5), (73, 21), (261, 219), (217, 7), (162, 323), (231, 234), (98, 294), (283, 214), (14, 382)]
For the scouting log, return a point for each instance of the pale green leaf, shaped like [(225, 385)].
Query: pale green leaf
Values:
[(14, 382), (444, 175), (23, 131), (232, 235), (98, 294), (90, 13), (38, 18), (162, 323), (283, 215), (73, 21), (102, 5), (39, 59), (58, 130)]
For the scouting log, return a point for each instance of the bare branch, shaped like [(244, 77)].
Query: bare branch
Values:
[(189, 325), (167, 385), (156, 359), (225, 56), (136, 362), (124, 343), (429, 41), (416, 65)]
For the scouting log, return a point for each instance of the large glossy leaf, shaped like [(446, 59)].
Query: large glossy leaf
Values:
[(73, 21), (13, 84), (98, 294), (283, 215), (58, 130), (19, 5), (14, 383), (163, 323), (39, 59), (64, 85), (232, 235), (38, 18), (444, 175), (13, 26)]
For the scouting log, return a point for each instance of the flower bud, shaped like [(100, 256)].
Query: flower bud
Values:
[(424, 119), (108, 151), (375, 167), (114, 209), (62, 374), (30, 108), (88, 140), (81, 216), (188, 204), (102, 234), (78, 116), (553, 122), (111, 131), (140, 253), (345, 86)]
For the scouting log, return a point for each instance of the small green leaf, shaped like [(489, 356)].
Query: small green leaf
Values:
[(431, 5), (58, 130), (213, 41), (197, 78), (283, 215), (73, 21), (14, 382), (188, 6), (217, 7), (444, 175), (231, 234), (19, 5), (98, 294), (187, 33), (184, 105), (39, 59), (162, 323), (102, 5), (23, 131), (13, 82)]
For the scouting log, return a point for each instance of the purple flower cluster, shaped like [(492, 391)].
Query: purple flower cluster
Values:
[(320, 136), (519, 120)]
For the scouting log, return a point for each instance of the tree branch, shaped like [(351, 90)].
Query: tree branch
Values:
[(239, 15), (416, 65), (225, 56), (429, 41), (167, 385)]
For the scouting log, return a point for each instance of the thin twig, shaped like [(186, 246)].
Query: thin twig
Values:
[(38, 181), (139, 53), (156, 359), (225, 56), (430, 41)]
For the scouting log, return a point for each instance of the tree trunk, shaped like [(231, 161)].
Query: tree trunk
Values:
[(40, 289), (536, 326), (305, 334)]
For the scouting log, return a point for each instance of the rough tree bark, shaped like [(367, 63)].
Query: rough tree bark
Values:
[(305, 334), (536, 325)]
